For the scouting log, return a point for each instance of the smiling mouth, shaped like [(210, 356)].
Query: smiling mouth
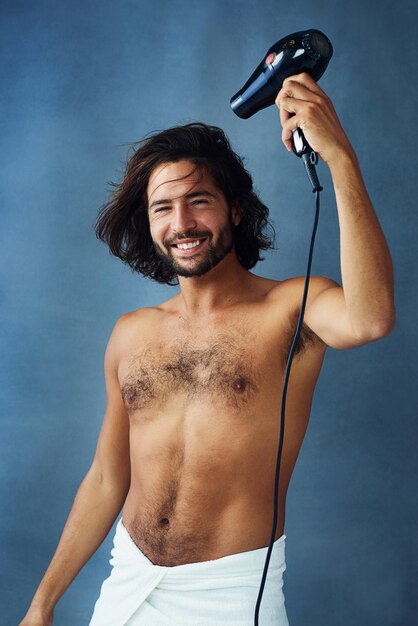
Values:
[(190, 248)]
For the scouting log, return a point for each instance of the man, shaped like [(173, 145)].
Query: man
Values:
[(189, 438)]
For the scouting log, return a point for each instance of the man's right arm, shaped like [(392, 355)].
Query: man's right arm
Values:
[(99, 498)]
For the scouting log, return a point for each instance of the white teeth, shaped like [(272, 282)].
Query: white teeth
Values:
[(185, 246)]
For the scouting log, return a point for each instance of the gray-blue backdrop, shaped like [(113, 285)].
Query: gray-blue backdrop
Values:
[(80, 81)]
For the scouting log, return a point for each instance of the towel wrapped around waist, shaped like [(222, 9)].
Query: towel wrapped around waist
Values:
[(207, 593)]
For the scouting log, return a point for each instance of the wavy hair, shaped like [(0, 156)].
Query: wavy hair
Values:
[(123, 221)]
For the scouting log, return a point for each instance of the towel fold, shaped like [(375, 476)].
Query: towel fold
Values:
[(208, 593)]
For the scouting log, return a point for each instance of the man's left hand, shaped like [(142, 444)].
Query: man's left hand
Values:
[(314, 114)]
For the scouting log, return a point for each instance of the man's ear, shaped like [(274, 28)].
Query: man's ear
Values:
[(236, 217)]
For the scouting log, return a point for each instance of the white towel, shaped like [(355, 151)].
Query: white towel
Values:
[(208, 593)]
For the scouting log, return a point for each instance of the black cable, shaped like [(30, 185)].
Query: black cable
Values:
[(317, 189)]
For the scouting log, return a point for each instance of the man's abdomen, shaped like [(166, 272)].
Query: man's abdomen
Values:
[(202, 483)]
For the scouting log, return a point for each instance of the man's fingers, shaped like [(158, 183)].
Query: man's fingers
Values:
[(291, 105), (284, 115), (297, 87), (298, 98), (292, 123), (296, 90), (307, 81)]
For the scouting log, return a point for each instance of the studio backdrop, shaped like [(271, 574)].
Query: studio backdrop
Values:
[(81, 81)]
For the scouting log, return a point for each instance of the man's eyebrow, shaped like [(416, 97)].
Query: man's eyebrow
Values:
[(193, 194)]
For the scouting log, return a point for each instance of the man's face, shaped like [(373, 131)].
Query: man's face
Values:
[(185, 205)]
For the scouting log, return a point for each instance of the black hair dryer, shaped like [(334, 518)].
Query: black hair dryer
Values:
[(305, 51)]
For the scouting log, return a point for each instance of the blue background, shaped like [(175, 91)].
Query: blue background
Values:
[(80, 81)]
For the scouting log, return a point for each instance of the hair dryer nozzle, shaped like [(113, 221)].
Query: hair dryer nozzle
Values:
[(305, 51)]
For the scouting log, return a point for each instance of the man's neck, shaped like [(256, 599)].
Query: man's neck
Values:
[(224, 285)]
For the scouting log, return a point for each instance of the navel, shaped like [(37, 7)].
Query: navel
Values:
[(164, 522)]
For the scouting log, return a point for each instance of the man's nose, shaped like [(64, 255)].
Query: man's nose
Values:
[(183, 219)]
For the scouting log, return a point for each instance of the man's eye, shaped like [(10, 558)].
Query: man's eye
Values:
[(166, 208)]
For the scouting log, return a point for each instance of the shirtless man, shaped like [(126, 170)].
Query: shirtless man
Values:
[(189, 439)]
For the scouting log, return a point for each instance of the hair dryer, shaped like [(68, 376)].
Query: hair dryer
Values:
[(305, 51)]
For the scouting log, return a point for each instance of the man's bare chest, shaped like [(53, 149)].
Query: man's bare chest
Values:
[(231, 363)]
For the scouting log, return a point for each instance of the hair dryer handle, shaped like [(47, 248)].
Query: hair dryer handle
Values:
[(299, 144), (303, 150)]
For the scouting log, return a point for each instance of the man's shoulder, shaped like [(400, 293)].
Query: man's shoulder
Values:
[(129, 328), (139, 313), (140, 316)]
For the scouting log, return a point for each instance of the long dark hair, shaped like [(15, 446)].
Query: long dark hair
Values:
[(123, 221)]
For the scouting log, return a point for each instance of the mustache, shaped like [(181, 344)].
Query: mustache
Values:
[(191, 235)]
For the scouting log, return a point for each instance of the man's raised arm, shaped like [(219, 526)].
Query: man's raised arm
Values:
[(363, 309)]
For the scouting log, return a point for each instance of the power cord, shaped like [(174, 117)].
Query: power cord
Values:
[(310, 162)]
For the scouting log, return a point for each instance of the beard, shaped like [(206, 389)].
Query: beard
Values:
[(209, 257)]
